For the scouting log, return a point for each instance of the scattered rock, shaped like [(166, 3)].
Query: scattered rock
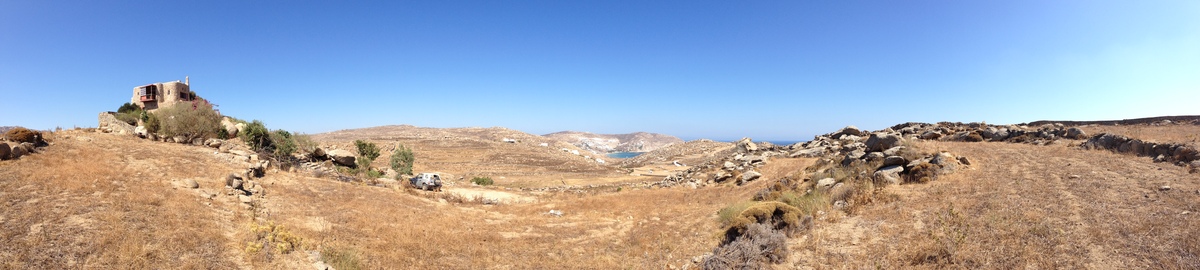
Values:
[(826, 183), (245, 199), (557, 213), (964, 160), (749, 176), (946, 161), (191, 183), (214, 143), (1073, 176), (5, 151), (1164, 188), (894, 160), (233, 181)]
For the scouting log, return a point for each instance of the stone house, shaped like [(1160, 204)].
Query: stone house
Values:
[(161, 95)]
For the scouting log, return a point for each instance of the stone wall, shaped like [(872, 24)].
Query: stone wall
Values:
[(1178, 153)]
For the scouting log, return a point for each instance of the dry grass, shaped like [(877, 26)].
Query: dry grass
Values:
[(90, 206), (1021, 208)]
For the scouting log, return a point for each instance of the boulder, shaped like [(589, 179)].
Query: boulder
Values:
[(5, 151), (1195, 167), (894, 160), (882, 141), (17, 152), (946, 161), (888, 174), (342, 157), (848, 130), (1076, 133), (140, 131), (825, 183), (214, 143), (233, 181), (893, 151), (746, 145), (749, 176), (729, 165), (930, 135), (230, 127), (873, 156), (181, 139)]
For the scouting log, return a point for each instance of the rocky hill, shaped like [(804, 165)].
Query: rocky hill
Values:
[(609, 143), (511, 156)]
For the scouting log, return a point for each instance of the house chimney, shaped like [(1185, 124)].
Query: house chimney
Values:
[(187, 81)]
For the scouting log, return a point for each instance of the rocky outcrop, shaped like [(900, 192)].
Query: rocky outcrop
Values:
[(341, 157), (110, 124)]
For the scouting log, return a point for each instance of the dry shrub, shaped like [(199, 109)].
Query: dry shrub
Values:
[(190, 120), (340, 258), (21, 134), (758, 246), (268, 239), (778, 215), (922, 173)]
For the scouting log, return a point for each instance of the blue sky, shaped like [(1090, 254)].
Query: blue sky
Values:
[(769, 70)]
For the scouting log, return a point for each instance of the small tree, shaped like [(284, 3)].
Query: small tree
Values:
[(367, 153), (282, 141), (402, 160), (256, 135)]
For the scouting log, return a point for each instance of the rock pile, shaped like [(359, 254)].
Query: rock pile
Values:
[(1177, 153), (737, 163)]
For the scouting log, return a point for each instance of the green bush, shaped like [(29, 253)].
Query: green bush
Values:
[(256, 135), (367, 150), (367, 153), (129, 108), (191, 120), (402, 160), (153, 125), (482, 181), (372, 174), (282, 142)]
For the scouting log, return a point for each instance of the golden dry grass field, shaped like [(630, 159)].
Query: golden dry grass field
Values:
[(95, 200)]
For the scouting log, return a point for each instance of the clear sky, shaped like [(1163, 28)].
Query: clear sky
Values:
[(769, 70)]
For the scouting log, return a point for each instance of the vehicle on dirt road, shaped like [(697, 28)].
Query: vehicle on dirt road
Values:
[(427, 181)]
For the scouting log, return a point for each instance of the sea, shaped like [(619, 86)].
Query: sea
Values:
[(624, 154)]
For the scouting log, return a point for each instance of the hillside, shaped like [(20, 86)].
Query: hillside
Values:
[(609, 143), (1023, 197), (468, 152)]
